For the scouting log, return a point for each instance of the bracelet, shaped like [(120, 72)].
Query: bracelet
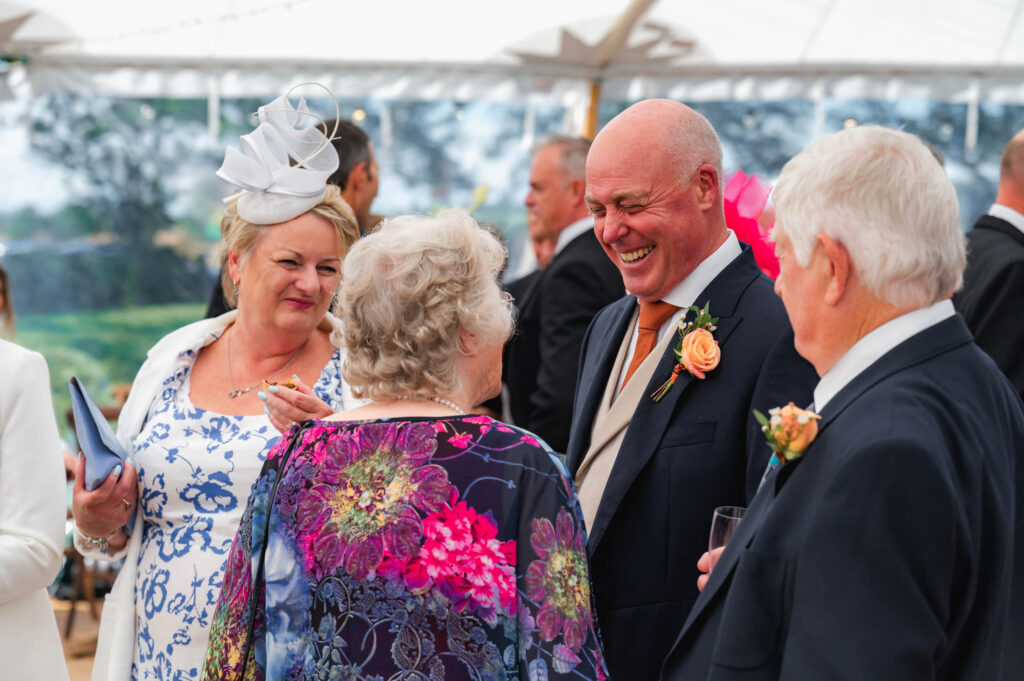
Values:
[(101, 543)]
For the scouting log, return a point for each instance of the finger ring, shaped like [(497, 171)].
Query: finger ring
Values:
[(127, 504)]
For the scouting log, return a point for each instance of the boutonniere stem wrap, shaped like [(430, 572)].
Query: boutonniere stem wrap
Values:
[(789, 430), (697, 351)]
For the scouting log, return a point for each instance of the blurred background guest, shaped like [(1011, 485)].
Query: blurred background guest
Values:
[(6, 309), (32, 495), (558, 305), (405, 537), (194, 424), (357, 175), (994, 278)]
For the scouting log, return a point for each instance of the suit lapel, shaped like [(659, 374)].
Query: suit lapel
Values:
[(740, 540), (593, 380), (935, 340), (529, 294), (651, 419), (1000, 225), (940, 338), (614, 412)]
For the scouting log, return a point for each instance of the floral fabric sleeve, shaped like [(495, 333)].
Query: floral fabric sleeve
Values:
[(230, 628), (556, 617)]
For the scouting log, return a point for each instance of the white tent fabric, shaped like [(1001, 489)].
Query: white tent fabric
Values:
[(466, 49)]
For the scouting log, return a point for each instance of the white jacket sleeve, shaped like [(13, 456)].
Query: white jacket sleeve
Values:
[(33, 501)]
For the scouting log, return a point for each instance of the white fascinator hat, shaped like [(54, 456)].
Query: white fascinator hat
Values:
[(283, 165)]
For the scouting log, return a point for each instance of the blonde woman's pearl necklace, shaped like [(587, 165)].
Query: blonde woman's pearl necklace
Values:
[(440, 400)]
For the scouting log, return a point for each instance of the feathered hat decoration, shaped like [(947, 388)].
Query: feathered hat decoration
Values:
[(283, 165)]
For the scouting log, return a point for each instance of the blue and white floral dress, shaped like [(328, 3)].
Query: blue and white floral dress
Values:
[(196, 471)]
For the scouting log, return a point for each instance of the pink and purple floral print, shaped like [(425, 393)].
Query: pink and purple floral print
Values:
[(417, 548)]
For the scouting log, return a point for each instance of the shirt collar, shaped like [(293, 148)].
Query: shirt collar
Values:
[(998, 210), (871, 347), (571, 232), (685, 293)]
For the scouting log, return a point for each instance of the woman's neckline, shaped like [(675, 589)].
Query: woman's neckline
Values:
[(421, 417), (185, 390)]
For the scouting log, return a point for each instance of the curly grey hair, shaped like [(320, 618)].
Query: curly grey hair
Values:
[(414, 294)]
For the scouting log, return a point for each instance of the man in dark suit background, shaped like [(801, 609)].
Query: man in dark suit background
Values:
[(558, 305), (358, 175), (884, 551), (651, 473), (992, 299)]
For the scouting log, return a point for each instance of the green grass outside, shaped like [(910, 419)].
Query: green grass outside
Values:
[(102, 347)]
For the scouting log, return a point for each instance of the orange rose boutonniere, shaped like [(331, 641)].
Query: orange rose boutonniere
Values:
[(789, 430), (697, 351)]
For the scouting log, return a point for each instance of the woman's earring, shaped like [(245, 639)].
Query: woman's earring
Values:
[(234, 285)]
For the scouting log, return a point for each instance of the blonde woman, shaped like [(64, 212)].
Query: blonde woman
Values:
[(194, 424)]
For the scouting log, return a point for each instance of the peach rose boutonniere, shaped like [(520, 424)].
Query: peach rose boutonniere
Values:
[(789, 429), (697, 351)]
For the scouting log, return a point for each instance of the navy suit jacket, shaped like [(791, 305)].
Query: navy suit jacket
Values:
[(696, 449), (521, 359), (991, 299), (885, 551)]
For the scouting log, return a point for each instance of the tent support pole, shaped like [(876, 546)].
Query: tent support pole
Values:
[(971, 132), (590, 124), (213, 110)]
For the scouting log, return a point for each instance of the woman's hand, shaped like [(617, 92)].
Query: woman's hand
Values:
[(103, 511), (284, 406), (705, 565)]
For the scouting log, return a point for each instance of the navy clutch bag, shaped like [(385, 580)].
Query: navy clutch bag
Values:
[(102, 449)]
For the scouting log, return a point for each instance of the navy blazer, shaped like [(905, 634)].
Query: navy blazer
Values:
[(696, 449), (990, 300), (884, 552), (521, 359)]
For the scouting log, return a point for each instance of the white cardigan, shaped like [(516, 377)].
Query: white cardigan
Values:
[(33, 508), (116, 645)]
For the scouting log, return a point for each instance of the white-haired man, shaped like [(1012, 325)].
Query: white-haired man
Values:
[(884, 551)]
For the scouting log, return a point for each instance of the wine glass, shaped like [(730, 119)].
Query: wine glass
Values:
[(724, 522)]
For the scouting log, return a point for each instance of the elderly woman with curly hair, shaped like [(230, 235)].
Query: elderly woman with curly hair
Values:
[(407, 538)]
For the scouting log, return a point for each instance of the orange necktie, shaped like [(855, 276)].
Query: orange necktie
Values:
[(652, 317)]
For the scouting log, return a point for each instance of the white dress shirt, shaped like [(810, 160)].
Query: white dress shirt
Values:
[(685, 293), (1006, 213), (581, 226), (871, 347)]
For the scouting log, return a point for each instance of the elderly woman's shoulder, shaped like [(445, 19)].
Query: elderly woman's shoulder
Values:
[(516, 441)]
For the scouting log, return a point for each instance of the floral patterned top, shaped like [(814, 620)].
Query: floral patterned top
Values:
[(418, 548)]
